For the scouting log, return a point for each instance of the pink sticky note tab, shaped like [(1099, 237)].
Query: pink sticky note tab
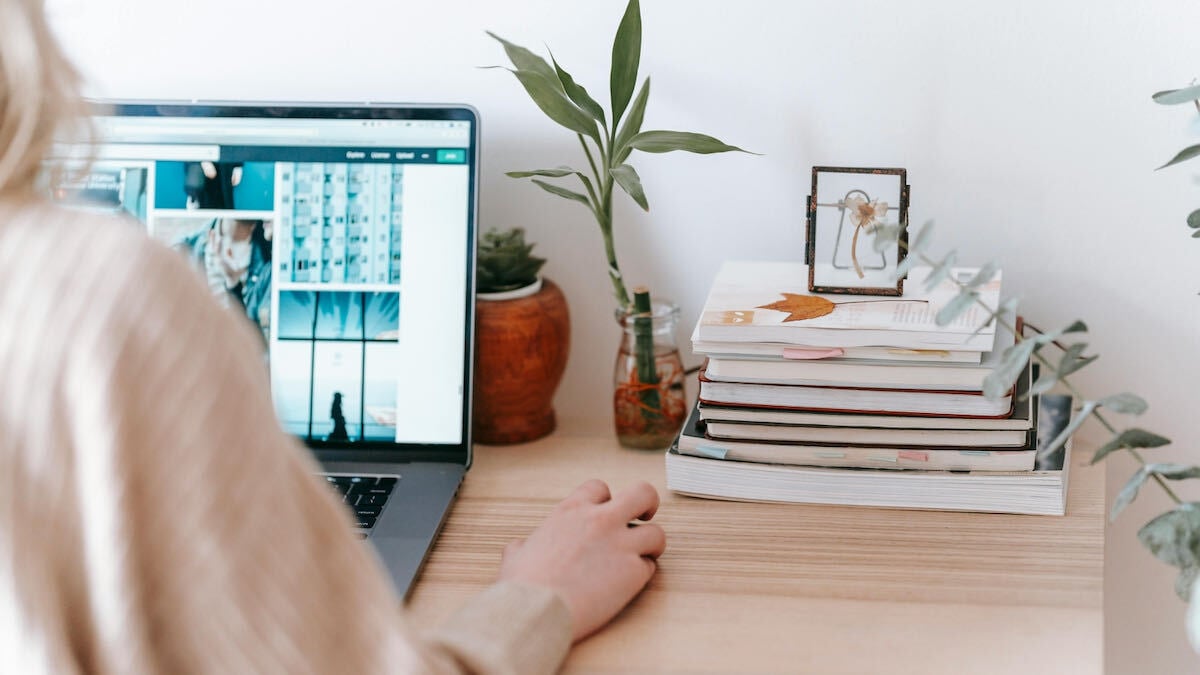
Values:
[(801, 354), (914, 455)]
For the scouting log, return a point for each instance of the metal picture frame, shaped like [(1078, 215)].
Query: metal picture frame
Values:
[(846, 207)]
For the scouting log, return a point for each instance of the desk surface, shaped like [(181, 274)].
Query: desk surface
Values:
[(796, 588)]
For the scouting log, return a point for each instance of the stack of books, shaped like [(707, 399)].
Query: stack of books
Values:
[(872, 403)]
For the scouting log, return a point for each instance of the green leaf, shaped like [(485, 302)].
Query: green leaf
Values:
[(1175, 471), (1196, 234), (1193, 220), (906, 265), (1061, 439), (953, 309), (1185, 581), (669, 141), (1177, 96), (918, 243), (1045, 383), (1183, 156), (626, 55), (885, 236), (629, 181), (1129, 493), (523, 59), (1125, 403), (940, 271), (1130, 438), (983, 276), (578, 94), (548, 96), (562, 192), (632, 125), (1174, 537), (1077, 327), (1071, 359), (1012, 363), (551, 173)]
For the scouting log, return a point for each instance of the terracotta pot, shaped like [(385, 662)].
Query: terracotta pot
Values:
[(521, 348)]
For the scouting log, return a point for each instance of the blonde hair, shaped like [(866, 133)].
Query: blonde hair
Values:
[(39, 94)]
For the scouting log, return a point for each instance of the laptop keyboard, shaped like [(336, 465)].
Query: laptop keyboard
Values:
[(366, 495)]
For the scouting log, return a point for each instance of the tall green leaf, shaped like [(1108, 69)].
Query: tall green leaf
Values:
[(578, 94), (670, 141), (1184, 155), (549, 96), (563, 192), (1130, 438), (629, 181), (631, 126), (1177, 96), (626, 57), (523, 59)]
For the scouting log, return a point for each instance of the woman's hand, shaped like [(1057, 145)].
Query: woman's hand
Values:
[(589, 553)]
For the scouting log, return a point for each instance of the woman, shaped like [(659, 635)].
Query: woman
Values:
[(136, 531)]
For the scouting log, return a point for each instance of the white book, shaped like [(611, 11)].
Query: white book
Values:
[(1041, 491), (868, 401), (779, 350), (738, 309), (865, 373)]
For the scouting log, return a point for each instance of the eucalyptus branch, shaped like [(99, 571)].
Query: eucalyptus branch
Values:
[(1070, 386)]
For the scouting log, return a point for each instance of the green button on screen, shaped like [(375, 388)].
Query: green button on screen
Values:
[(451, 156)]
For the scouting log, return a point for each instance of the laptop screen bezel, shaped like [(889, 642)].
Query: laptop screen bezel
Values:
[(368, 451)]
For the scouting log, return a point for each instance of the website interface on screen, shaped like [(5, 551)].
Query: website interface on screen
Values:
[(343, 242)]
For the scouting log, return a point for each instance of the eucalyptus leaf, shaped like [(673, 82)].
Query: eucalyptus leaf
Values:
[(1193, 220), (550, 173), (983, 276), (1175, 471), (549, 97), (885, 236), (670, 141), (626, 57), (1061, 439), (523, 59), (562, 192), (1185, 581), (1125, 403), (1183, 156), (918, 243), (1196, 234), (1072, 360), (633, 124), (906, 265), (629, 181), (1128, 493), (1177, 96), (1045, 383), (1076, 327), (578, 94), (1007, 308), (1012, 363), (1130, 438), (941, 270), (1174, 537), (953, 309)]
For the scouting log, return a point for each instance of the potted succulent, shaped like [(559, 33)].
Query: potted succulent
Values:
[(648, 402), (523, 335)]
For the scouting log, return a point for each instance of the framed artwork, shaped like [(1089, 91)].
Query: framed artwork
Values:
[(846, 208)]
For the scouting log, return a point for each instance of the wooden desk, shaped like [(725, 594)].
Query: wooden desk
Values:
[(801, 589)]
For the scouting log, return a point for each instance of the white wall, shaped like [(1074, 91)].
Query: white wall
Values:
[(1026, 127)]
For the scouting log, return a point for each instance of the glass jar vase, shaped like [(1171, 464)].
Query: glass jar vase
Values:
[(649, 401)]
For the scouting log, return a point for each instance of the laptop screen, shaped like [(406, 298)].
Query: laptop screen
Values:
[(344, 235)]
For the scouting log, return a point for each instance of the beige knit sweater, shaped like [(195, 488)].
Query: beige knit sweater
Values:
[(154, 519)]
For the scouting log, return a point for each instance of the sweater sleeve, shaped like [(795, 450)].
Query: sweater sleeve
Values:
[(201, 542)]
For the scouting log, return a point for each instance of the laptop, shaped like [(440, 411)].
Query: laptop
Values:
[(345, 234)]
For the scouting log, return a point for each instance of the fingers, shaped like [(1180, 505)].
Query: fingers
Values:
[(594, 491), (639, 501), (649, 540)]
